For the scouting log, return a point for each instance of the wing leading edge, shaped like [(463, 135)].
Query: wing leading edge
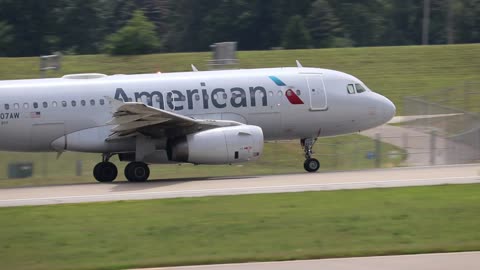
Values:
[(134, 118)]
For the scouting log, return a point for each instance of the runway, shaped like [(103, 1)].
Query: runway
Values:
[(439, 261), (198, 187)]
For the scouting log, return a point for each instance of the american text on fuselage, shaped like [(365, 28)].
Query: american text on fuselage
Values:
[(238, 98)]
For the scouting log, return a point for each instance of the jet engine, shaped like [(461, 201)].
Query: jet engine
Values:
[(218, 146)]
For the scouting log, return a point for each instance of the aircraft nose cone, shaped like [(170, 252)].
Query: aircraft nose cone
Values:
[(389, 109)]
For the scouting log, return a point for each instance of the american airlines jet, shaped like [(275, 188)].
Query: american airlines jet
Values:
[(199, 117)]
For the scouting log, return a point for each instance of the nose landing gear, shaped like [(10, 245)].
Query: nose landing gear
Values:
[(310, 164)]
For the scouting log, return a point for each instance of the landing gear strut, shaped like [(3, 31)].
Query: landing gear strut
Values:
[(137, 172), (310, 164), (105, 171)]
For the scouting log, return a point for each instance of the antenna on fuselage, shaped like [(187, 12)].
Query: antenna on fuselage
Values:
[(194, 68), (298, 64)]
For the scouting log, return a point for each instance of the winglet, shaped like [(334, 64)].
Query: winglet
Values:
[(298, 64), (194, 68)]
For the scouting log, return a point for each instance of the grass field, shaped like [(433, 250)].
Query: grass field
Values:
[(392, 71), (342, 153), (118, 235)]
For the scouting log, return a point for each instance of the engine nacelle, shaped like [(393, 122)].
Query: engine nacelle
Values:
[(218, 146)]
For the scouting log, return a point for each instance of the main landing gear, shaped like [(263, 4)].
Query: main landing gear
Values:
[(137, 172), (106, 171), (310, 164)]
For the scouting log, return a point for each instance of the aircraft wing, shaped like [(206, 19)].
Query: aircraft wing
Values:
[(133, 118)]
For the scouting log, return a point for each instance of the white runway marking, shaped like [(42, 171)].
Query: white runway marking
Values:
[(242, 185)]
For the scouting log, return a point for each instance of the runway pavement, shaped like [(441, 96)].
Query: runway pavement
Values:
[(440, 261), (383, 178)]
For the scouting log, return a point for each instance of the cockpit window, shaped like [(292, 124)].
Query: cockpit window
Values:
[(360, 88), (350, 89)]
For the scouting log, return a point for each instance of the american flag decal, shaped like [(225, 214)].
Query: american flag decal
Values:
[(35, 115)]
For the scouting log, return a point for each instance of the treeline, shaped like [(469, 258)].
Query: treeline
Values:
[(33, 27)]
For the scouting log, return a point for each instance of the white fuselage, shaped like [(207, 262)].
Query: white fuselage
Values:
[(34, 113)]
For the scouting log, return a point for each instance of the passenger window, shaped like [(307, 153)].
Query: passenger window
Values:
[(7, 107), (74, 103), (35, 105), (16, 106), (197, 97), (92, 102), (298, 92), (25, 105), (350, 89), (64, 103), (280, 93), (102, 102), (360, 88), (54, 104), (45, 104), (83, 102)]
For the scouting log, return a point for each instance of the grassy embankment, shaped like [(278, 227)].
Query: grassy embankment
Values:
[(392, 71), (118, 235)]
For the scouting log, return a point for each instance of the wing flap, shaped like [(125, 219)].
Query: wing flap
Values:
[(133, 118)]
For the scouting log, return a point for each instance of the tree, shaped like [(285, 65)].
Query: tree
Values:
[(80, 26), (404, 26), (6, 38), (468, 27), (138, 36), (323, 24), (187, 25), (231, 21), (279, 12), (33, 25), (157, 11), (296, 35)]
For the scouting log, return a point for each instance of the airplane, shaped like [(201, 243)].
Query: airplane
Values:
[(199, 117)]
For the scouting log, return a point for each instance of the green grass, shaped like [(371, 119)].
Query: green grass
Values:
[(393, 71), (342, 153), (118, 235)]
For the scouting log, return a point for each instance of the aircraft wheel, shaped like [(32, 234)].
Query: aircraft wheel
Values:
[(311, 165), (105, 172), (137, 172)]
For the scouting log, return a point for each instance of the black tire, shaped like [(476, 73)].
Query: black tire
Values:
[(137, 172), (105, 172), (311, 165)]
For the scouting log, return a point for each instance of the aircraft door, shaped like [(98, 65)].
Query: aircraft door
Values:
[(317, 92)]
